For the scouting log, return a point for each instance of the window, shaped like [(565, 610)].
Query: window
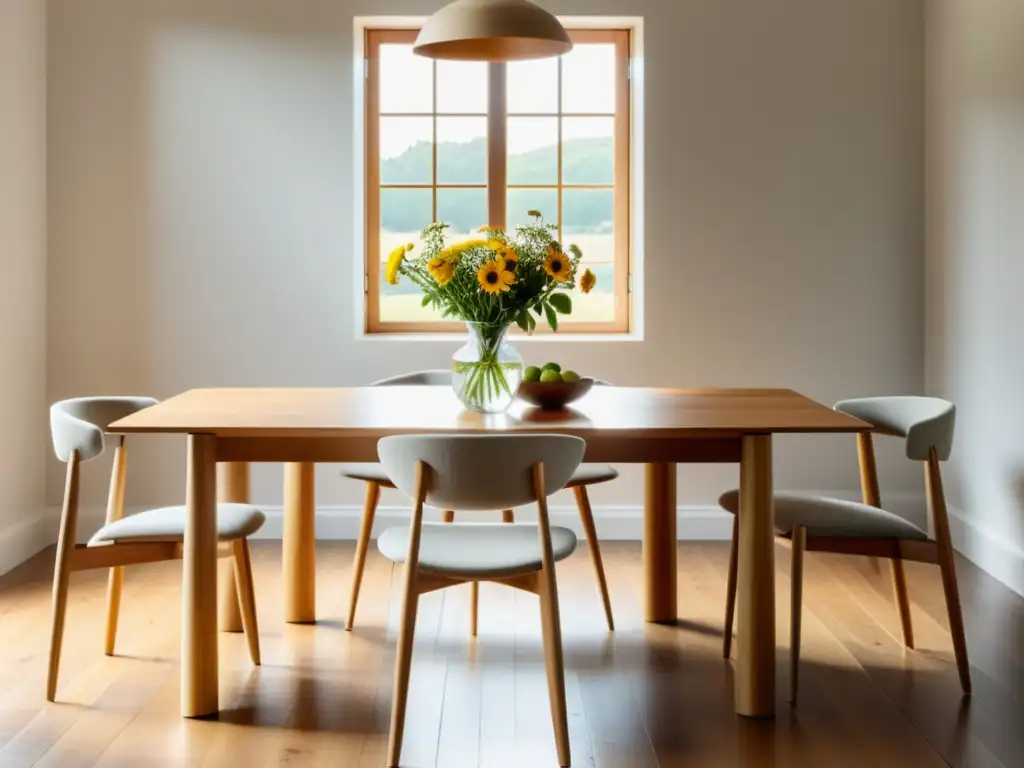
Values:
[(471, 143)]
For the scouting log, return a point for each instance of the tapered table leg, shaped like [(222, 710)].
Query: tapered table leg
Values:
[(232, 485), (299, 544), (755, 664), (199, 670), (659, 544)]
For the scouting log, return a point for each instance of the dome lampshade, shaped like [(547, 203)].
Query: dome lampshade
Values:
[(492, 30)]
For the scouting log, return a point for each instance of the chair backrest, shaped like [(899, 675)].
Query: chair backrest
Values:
[(923, 421), (480, 472), (78, 424), (433, 378)]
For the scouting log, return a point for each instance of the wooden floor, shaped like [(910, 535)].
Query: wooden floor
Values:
[(643, 696)]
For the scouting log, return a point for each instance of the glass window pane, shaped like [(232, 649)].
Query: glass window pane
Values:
[(462, 86), (462, 150), (403, 215), (588, 150), (533, 150), (464, 209), (588, 79), (532, 86), (519, 201), (406, 150), (406, 81), (588, 222)]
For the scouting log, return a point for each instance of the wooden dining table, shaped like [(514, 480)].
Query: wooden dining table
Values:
[(659, 428)]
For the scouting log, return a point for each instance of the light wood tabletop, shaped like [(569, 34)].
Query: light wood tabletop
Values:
[(380, 411), (655, 427)]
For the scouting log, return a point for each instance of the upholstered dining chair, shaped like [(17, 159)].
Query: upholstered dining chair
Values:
[(817, 524), (77, 427), (458, 472), (376, 478)]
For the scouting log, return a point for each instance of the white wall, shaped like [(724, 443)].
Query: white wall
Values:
[(975, 267), (202, 201), (22, 279)]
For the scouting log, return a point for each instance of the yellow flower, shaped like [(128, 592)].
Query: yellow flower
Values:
[(488, 228), (507, 255), (535, 214), (493, 278), (587, 281), (395, 260), (441, 269), (557, 265)]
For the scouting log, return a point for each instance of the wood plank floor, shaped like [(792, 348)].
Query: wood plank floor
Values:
[(643, 696)]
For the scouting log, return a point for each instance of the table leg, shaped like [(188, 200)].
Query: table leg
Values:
[(299, 544), (755, 665), (232, 485), (199, 670), (659, 545)]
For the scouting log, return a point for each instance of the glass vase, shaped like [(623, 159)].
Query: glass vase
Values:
[(487, 370)]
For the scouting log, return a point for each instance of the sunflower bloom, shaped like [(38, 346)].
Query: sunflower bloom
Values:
[(557, 265), (441, 269), (587, 281), (493, 278), (395, 261), (507, 255)]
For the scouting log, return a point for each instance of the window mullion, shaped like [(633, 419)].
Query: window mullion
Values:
[(497, 146)]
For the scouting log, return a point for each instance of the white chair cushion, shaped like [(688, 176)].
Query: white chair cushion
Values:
[(234, 521), (480, 550), (585, 474), (832, 517), (371, 473), (591, 474)]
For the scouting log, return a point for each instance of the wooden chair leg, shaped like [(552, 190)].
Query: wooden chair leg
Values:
[(554, 664), (246, 597), (796, 598), (947, 564), (62, 574), (448, 516), (474, 607), (407, 629), (899, 586), (115, 582), (508, 516), (362, 544), (730, 589), (590, 529), (551, 627)]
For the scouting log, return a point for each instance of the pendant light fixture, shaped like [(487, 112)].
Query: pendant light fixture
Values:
[(492, 30)]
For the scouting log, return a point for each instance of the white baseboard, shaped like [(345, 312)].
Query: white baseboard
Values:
[(18, 542), (986, 549), (623, 523)]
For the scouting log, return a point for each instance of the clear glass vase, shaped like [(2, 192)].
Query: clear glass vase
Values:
[(486, 371)]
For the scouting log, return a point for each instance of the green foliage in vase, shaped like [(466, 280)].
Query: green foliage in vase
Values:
[(497, 279)]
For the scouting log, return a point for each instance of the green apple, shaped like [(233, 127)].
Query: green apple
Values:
[(553, 367), (550, 376), (570, 377), (532, 373)]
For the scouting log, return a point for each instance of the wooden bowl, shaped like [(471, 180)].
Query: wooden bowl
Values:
[(553, 396)]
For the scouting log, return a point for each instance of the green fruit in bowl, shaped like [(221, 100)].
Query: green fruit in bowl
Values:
[(550, 376), (532, 373), (570, 377), (552, 367)]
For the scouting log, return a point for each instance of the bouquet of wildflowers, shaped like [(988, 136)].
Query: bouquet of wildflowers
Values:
[(493, 281)]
